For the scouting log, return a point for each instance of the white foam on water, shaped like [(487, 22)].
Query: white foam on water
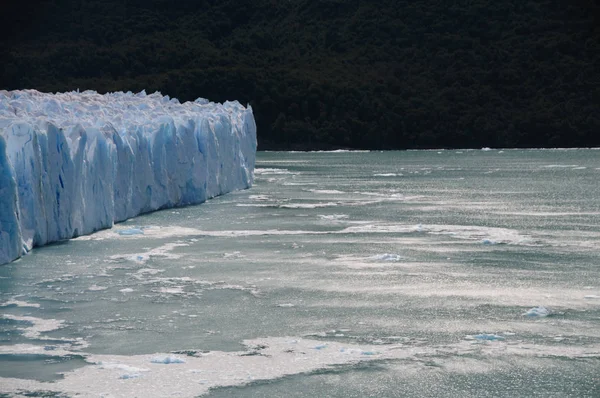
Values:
[(172, 290), (381, 198), (148, 271), (333, 217), (560, 166), (437, 281), (378, 262), (271, 358), (466, 232), (235, 254), (304, 183), (177, 285), (259, 197), (62, 278), (60, 350), (38, 325), (385, 174), (252, 289), (287, 161), (271, 171), (19, 303), (120, 366), (345, 151), (163, 251), (96, 288), (256, 232), (547, 213), (330, 151), (388, 195), (290, 205), (308, 205), (327, 191), (149, 232)]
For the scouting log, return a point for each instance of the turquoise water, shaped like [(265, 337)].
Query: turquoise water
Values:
[(338, 274)]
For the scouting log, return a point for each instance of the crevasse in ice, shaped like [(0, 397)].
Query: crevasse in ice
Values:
[(73, 163)]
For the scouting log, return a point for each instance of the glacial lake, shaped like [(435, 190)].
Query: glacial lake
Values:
[(455, 273)]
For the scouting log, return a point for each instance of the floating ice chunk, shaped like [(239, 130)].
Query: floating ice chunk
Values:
[(485, 149), (167, 359), (320, 347), (538, 312), (387, 257), (592, 296), (369, 352), (130, 376), (286, 305), (488, 337), (488, 242), (131, 231), (126, 290)]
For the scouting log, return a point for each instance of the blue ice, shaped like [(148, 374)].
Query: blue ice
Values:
[(74, 163)]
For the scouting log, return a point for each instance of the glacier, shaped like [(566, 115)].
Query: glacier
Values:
[(77, 162)]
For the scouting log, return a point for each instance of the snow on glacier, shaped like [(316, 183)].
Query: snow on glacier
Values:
[(73, 163)]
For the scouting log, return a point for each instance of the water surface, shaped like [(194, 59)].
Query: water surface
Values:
[(337, 274)]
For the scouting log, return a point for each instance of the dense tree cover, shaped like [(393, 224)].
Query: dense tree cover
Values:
[(332, 73)]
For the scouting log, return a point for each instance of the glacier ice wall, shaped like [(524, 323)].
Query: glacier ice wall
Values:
[(73, 163)]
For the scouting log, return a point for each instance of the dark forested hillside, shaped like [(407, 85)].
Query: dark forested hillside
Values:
[(332, 73)]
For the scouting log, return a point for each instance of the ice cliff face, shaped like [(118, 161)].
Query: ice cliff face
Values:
[(73, 163)]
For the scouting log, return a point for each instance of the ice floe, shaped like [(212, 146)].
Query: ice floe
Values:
[(538, 312)]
